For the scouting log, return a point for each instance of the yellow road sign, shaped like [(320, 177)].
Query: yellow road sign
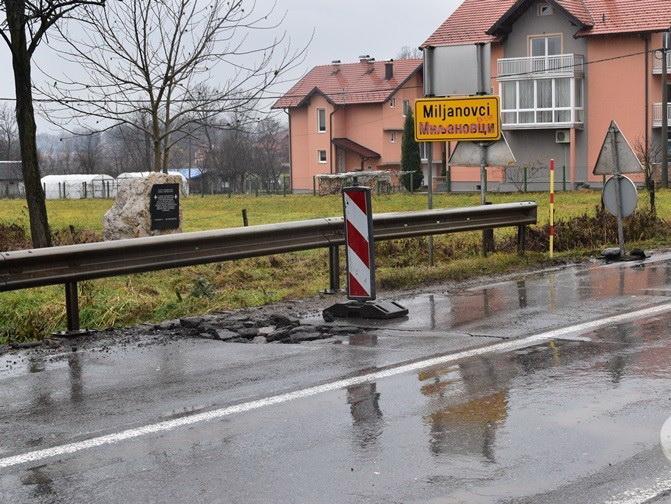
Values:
[(474, 118)]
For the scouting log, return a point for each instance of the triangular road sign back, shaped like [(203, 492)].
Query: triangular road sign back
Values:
[(605, 164), (468, 154)]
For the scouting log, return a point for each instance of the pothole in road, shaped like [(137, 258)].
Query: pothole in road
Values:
[(274, 328)]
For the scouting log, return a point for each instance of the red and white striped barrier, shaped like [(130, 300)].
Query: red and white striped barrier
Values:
[(360, 243)]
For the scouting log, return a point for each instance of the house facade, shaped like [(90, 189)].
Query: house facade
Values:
[(564, 69), (11, 179), (350, 117)]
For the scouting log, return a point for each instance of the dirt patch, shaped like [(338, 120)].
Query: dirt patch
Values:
[(15, 237)]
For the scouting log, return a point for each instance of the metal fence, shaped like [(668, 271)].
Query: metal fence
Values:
[(74, 263)]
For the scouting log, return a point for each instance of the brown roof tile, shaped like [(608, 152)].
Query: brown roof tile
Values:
[(474, 18), (352, 83), (469, 23), (626, 16)]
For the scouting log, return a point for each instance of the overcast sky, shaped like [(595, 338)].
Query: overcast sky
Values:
[(343, 29)]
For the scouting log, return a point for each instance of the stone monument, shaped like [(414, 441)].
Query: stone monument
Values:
[(131, 213)]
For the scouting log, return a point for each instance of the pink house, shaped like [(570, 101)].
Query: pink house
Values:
[(564, 69), (349, 117)]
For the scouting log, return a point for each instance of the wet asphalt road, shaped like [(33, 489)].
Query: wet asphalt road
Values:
[(572, 419)]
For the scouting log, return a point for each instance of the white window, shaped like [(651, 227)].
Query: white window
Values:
[(545, 45), (542, 101), (321, 120), (392, 137), (406, 107), (424, 150), (545, 9), (392, 102), (321, 156)]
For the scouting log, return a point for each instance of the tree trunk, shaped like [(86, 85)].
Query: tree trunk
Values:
[(147, 152), (156, 134), (25, 118)]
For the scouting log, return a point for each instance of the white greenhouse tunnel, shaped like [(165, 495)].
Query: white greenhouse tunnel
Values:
[(78, 186)]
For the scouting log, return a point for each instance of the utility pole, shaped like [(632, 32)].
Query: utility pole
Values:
[(665, 109)]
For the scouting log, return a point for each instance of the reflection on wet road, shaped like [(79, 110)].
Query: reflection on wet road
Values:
[(562, 421)]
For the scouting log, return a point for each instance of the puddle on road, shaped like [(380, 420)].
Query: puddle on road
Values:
[(498, 423), (534, 303)]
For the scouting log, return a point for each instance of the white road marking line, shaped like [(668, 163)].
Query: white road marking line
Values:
[(643, 495), (170, 425)]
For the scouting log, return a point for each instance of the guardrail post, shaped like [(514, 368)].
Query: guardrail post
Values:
[(526, 178), (72, 306), (488, 244), (334, 269), (521, 239)]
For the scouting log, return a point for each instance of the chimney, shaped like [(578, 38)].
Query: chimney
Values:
[(335, 67), (389, 70)]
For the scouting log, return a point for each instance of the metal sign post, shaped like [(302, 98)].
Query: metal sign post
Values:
[(483, 173), (617, 157), (618, 188), (429, 159)]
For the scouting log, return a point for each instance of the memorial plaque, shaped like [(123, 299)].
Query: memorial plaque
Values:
[(164, 207)]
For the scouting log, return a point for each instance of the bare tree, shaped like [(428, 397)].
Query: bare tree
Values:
[(156, 59), (8, 134), (88, 150), (649, 155), (129, 148), (23, 25), (268, 150), (519, 176), (408, 52)]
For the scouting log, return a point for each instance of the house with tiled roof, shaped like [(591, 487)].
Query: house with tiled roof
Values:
[(347, 117), (564, 69)]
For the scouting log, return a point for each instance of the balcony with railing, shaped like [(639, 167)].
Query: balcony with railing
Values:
[(550, 103), (657, 115), (558, 65), (657, 65)]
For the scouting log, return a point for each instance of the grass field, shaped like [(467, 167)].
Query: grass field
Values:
[(215, 212), (170, 294)]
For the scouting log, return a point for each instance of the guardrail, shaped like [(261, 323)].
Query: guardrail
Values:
[(74, 263)]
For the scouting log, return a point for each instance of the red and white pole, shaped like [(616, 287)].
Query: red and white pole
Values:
[(552, 208), (360, 243)]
